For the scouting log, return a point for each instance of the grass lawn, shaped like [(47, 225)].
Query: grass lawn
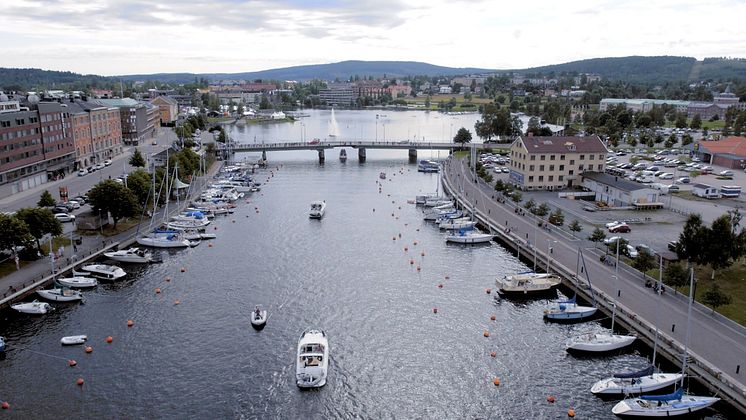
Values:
[(109, 230), (57, 242), (214, 120), (10, 267)]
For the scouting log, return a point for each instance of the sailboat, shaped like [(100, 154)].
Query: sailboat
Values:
[(569, 310), (674, 404), (602, 342), (640, 381), (471, 236)]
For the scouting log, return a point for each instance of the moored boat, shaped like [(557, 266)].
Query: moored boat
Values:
[(2, 345), (60, 295), (312, 359), (318, 208), (259, 318), (469, 237), (674, 404), (569, 311), (33, 308), (131, 255), (72, 340), (527, 283), (599, 342), (78, 282), (104, 272), (638, 382), (172, 239)]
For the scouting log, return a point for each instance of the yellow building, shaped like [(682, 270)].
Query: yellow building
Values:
[(552, 163), (168, 107)]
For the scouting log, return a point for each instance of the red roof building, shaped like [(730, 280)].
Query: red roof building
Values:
[(729, 152)]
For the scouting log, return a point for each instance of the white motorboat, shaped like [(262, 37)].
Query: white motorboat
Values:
[(259, 318), (72, 340), (457, 224), (599, 342), (188, 223), (639, 382), (78, 282), (569, 311), (317, 210), (674, 404), (439, 201), (469, 237), (173, 240), (312, 362), (104, 272), (33, 308), (343, 155), (420, 199), (60, 295), (527, 283), (132, 255), (437, 214)]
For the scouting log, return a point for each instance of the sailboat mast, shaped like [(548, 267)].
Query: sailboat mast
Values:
[(658, 306), (616, 279), (688, 325)]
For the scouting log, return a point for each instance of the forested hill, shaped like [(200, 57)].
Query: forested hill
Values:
[(651, 69), (16, 79)]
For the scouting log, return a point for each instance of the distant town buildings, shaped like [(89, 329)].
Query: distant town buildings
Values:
[(706, 110), (168, 108), (97, 132), (554, 163), (729, 152), (339, 94), (139, 120)]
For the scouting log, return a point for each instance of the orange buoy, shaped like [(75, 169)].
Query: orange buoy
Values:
[(406, 249), (440, 286), (422, 253), (72, 363), (392, 214), (216, 228), (447, 277), (419, 268), (486, 333), (209, 245), (551, 399), (89, 349), (399, 207), (414, 243), (80, 382), (493, 354), (183, 269), (571, 412), (168, 279), (177, 301), (418, 229), (435, 310), (109, 339), (157, 290), (488, 291), (493, 317), (5, 405), (496, 381), (130, 322)]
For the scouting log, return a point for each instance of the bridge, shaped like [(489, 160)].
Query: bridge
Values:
[(361, 146)]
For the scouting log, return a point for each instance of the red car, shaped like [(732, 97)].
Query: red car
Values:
[(314, 141), (622, 228)]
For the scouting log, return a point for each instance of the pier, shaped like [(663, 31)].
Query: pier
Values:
[(717, 347)]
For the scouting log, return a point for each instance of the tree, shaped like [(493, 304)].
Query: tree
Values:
[(113, 198), (715, 298), (46, 200), (542, 210), (686, 139), (137, 160), (692, 244), (621, 243), (462, 136), (724, 244), (597, 236), (40, 222), (696, 122), (681, 120), (13, 233), (675, 276), (576, 227), (644, 261), (516, 197), (529, 205), (557, 218), (140, 183), (499, 185)]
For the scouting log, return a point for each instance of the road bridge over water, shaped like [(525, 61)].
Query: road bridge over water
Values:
[(361, 146)]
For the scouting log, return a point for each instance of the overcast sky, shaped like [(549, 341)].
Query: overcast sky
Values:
[(111, 37)]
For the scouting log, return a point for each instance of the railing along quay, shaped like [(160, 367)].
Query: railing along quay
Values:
[(721, 384)]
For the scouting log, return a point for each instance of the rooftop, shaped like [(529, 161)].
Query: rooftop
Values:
[(735, 146), (614, 181), (121, 102), (557, 144)]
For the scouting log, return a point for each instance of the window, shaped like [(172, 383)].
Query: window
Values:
[(541, 178), (572, 161), (541, 168), (533, 157), (590, 167), (600, 157), (531, 178), (562, 157), (561, 178), (552, 157), (551, 167), (562, 167), (543, 157), (571, 172), (550, 178), (582, 157), (580, 167), (530, 168)]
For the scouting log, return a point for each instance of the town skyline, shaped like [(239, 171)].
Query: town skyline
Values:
[(109, 37)]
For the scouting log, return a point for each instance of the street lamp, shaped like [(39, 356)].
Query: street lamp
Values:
[(549, 252)]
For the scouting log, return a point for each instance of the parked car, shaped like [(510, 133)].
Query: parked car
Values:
[(80, 199), (609, 241), (90, 169), (726, 173), (60, 209), (672, 245), (83, 172), (623, 228), (612, 224), (314, 141), (154, 142), (666, 175), (673, 188), (630, 251), (107, 162), (589, 208), (74, 203), (683, 180), (647, 249), (64, 217), (100, 166)]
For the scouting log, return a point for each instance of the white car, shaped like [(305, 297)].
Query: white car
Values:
[(82, 172), (609, 241), (612, 224), (632, 252), (666, 175), (107, 162), (726, 173), (100, 166), (74, 203), (62, 217)]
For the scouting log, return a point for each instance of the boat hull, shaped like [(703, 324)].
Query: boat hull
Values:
[(73, 340), (78, 282), (259, 322), (157, 243), (56, 295), (34, 308), (470, 239), (576, 314), (631, 386), (636, 407), (599, 343)]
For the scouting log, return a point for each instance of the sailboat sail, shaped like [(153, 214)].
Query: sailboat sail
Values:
[(640, 373)]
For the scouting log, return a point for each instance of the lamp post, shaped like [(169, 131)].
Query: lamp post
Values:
[(550, 250)]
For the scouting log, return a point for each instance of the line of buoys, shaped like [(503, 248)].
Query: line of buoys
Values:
[(72, 363), (89, 349), (109, 339), (551, 399), (80, 382), (486, 333), (496, 381), (130, 323), (571, 412)]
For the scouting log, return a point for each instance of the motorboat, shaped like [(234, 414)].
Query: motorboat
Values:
[(259, 318), (527, 283), (437, 201), (312, 362), (599, 342), (190, 220), (343, 155), (638, 382), (457, 224), (2, 345), (469, 237), (131, 255), (382, 175), (428, 166), (674, 404), (164, 239), (33, 308), (78, 282), (449, 213), (104, 272), (420, 199), (317, 209), (61, 295), (73, 340), (569, 311)]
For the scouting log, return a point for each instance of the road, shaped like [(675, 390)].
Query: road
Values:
[(719, 341)]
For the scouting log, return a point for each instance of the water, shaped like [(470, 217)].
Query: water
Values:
[(391, 356)]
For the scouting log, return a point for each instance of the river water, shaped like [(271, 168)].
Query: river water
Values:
[(349, 274)]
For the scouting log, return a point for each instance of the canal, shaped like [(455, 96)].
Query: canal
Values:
[(354, 274)]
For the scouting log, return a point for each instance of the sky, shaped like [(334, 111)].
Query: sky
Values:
[(115, 37)]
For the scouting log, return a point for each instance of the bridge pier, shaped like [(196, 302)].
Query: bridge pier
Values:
[(412, 155), (361, 154), (321, 156)]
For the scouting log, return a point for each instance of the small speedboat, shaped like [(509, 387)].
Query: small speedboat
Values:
[(469, 237), (132, 255), (639, 382), (78, 282), (382, 175), (72, 340), (674, 404), (60, 295), (312, 360), (33, 308), (318, 208), (104, 272), (259, 318), (528, 283), (569, 311)]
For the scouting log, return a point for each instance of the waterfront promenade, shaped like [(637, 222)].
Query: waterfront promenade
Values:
[(714, 340)]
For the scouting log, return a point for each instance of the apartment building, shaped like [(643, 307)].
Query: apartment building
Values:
[(97, 132), (168, 107), (139, 120), (552, 163)]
